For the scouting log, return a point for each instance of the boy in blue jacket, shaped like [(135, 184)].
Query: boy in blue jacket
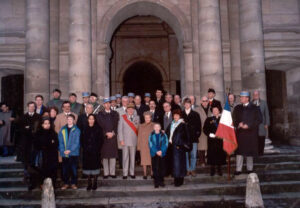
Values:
[(69, 146), (158, 144)]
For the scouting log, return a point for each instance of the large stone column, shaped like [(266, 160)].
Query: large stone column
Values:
[(235, 53), (210, 48), (54, 38), (37, 49), (188, 69), (80, 47), (252, 51)]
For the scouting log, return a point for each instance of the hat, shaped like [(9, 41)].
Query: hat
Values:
[(106, 100), (112, 98), (85, 94), (57, 90), (131, 94), (147, 94), (211, 90), (118, 95), (245, 94), (130, 105), (94, 94)]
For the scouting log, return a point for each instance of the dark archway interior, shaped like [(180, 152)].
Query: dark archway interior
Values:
[(142, 77)]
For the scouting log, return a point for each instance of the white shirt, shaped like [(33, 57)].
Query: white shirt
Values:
[(246, 104), (30, 113), (107, 111), (152, 111), (168, 114), (187, 111)]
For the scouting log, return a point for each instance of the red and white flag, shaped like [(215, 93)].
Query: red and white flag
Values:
[(226, 131)]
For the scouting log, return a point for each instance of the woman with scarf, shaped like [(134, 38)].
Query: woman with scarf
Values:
[(91, 139), (215, 153), (179, 144)]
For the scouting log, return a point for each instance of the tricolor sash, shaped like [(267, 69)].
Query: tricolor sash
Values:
[(132, 126)]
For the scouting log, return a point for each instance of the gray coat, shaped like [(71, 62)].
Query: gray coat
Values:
[(55, 103), (263, 106), (126, 133), (167, 121), (76, 108)]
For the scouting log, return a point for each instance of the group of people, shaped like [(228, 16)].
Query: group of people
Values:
[(165, 135)]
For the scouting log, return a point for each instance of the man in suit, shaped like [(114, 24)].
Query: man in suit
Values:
[(192, 119), (140, 108), (56, 101), (61, 119), (118, 100), (82, 121), (159, 100), (177, 101), (40, 108), (167, 116), (113, 103), (75, 107), (147, 98), (212, 101), (263, 127), (156, 114), (127, 131)]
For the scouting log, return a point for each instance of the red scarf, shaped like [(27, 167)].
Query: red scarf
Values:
[(132, 126)]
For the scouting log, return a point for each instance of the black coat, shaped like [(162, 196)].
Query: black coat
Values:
[(29, 126), (140, 111), (159, 105), (46, 141), (194, 125), (109, 123), (157, 117), (180, 139), (215, 103), (215, 152), (247, 139), (91, 142), (82, 121)]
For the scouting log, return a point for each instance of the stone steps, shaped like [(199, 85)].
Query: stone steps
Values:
[(279, 176)]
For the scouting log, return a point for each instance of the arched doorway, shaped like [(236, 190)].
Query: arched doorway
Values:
[(142, 77)]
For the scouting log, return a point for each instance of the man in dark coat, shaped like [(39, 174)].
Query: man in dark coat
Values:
[(140, 108), (82, 121), (159, 100), (156, 114), (39, 101), (246, 119), (29, 126), (192, 119), (108, 120), (75, 106), (212, 101)]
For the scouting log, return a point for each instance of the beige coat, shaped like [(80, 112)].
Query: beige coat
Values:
[(144, 131), (202, 145), (61, 120)]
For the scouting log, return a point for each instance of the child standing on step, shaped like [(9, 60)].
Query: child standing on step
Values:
[(158, 144)]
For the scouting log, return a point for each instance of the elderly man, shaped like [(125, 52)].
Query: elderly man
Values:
[(140, 107), (168, 118), (263, 127), (246, 120), (177, 101), (61, 119), (204, 112), (231, 101), (75, 106), (127, 131), (82, 121), (56, 101)]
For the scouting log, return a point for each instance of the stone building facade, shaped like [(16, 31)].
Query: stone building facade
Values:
[(185, 46)]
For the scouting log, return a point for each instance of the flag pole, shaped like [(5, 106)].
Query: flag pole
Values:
[(228, 167)]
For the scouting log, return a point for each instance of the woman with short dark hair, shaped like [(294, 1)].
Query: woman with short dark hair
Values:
[(179, 144)]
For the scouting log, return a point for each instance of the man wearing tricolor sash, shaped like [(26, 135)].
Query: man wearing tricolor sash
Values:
[(127, 135)]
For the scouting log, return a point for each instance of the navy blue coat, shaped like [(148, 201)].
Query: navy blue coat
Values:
[(180, 139)]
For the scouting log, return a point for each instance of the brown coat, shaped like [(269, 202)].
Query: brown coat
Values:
[(61, 120), (202, 145), (144, 132)]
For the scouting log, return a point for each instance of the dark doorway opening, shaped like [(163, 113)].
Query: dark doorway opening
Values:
[(12, 91), (277, 102), (142, 77)]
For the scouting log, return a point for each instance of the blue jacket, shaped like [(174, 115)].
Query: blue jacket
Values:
[(163, 140), (71, 142)]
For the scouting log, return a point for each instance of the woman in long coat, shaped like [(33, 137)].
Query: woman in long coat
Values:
[(215, 153), (179, 144), (91, 139), (46, 141), (144, 130)]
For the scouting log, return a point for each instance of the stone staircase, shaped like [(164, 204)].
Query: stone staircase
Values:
[(279, 176)]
